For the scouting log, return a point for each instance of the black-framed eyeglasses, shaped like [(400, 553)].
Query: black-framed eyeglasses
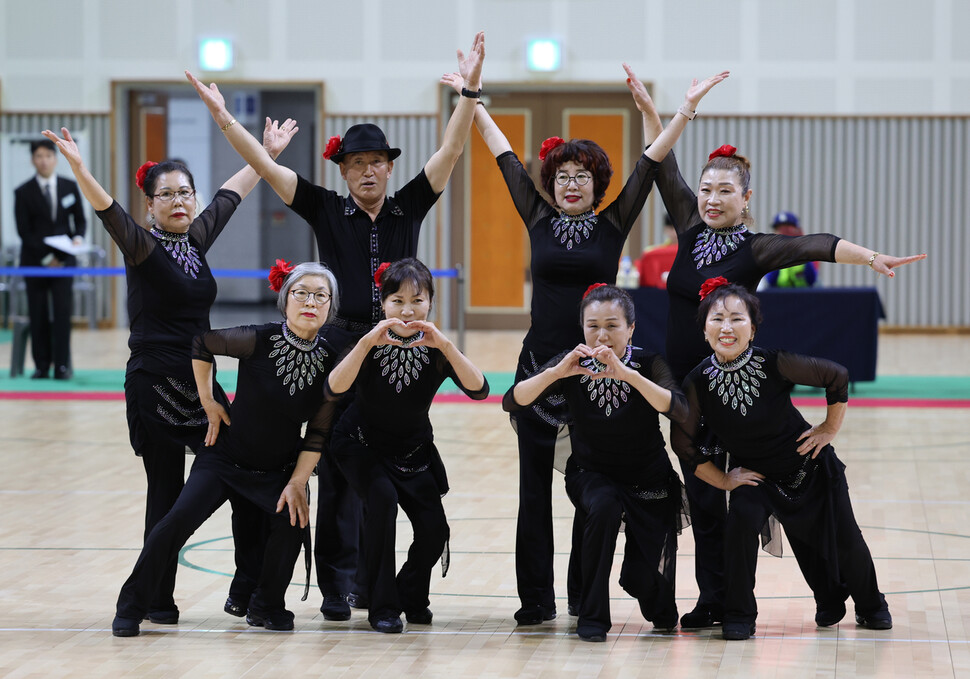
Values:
[(169, 196), (582, 178), (302, 296)]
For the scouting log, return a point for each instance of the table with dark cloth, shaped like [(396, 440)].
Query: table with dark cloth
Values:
[(840, 324)]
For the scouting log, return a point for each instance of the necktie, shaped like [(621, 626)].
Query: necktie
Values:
[(51, 205)]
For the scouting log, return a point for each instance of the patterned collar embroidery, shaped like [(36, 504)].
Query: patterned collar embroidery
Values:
[(713, 244), (350, 207), (184, 253), (611, 392), (399, 365), (737, 382), (571, 229), (300, 360)]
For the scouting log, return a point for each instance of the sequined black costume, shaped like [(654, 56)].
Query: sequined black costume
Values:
[(747, 405), (568, 255)]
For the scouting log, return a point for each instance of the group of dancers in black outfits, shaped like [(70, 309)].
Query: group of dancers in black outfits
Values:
[(355, 358)]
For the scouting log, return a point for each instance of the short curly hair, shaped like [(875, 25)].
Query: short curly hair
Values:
[(587, 153)]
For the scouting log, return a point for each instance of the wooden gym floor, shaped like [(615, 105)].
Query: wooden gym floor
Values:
[(72, 502)]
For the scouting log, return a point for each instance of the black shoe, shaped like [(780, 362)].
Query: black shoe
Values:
[(389, 625), (39, 374), (572, 609), (826, 617), (233, 607), (124, 627), (278, 621), (62, 372), (665, 626), (169, 617), (593, 634), (335, 607), (737, 631), (355, 600), (534, 615), (877, 620), (701, 616), (422, 617)]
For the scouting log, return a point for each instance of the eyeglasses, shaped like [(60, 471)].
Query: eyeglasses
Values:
[(169, 196), (582, 178), (302, 296)]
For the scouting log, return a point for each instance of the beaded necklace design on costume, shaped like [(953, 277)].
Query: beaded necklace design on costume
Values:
[(713, 244), (609, 390), (184, 253), (401, 365), (300, 360), (737, 382), (571, 229)]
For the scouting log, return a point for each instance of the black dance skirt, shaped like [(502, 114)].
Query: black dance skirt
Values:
[(165, 409)]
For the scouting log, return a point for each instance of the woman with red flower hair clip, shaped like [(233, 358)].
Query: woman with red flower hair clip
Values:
[(619, 470), (714, 240), (384, 443), (254, 450), (572, 246), (170, 290)]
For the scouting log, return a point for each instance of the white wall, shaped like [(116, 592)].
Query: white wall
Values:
[(384, 56)]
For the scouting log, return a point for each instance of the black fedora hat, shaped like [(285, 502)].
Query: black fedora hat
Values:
[(364, 137)]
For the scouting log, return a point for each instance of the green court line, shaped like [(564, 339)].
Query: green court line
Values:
[(888, 386)]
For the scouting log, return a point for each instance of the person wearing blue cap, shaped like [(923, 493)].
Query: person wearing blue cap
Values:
[(799, 276)]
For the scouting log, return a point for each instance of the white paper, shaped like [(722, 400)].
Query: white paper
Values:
[(66, 244)]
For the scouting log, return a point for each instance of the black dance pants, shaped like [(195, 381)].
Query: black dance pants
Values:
[(708, 512), (382, 489), (212, 481), (600, 504), (50, 340), (821, 521)]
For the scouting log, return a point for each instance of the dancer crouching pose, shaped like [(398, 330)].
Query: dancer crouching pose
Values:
[(384, 443), (780, 465), (262, 456), (619, 468)]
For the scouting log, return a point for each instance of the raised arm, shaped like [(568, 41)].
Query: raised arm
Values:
[(439, 166), (282, 179), (276, 137), (491, 134), (666, 140), (92, 190), (652, 126)]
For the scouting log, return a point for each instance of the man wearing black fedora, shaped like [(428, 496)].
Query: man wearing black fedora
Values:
[(355, 233)]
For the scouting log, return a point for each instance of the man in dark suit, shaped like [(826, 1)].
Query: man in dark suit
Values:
[(48, 205)]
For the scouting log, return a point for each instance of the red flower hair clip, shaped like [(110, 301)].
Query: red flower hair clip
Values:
[(593, 287), (142, 171), (333, 146), (712, 284), (278, 274), (727, 151), (548, 145), (380, 273)]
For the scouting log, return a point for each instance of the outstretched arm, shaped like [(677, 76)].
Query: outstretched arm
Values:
[(652, 126), (275, 138), (491, 134), (282, 179), (850, 253), (92, 190), (439, 166), (662, 145)]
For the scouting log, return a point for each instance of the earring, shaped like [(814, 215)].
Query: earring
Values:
[(151, 217)]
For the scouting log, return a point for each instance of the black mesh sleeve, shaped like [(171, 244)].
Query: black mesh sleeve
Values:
[(239, 342), (774, 251), (816, 372), (682, 434), (528, 201), (208, 225), (679, 199), (446, 369), (134, 241), (623, 211), (508, 400), (661, 376), (318, 428)]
